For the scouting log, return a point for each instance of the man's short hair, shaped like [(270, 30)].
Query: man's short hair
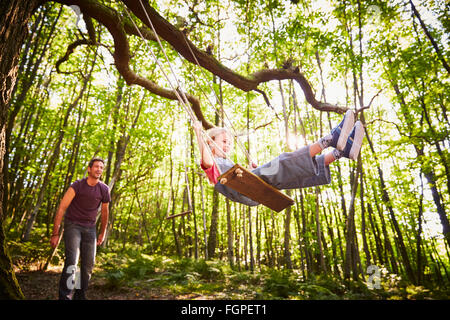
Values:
[(91, 163)]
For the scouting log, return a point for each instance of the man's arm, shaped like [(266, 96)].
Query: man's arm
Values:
[(64, 204), (104, 222)]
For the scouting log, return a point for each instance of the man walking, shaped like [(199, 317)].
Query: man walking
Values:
[(82, 201)]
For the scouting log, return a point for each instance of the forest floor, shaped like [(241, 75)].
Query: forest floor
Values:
[(105, 285), (43, 285), (133, 275)]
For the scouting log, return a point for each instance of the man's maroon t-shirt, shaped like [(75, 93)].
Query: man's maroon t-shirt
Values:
[(84, 206)]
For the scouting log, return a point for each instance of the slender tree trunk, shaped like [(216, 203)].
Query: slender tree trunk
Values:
[(250, 237), (350, 258), (376, 234), (249, 210), (268, 242), (305, 236), (430, 37), (212, 240), (258, 238), (115, 115), (192, 190), (363, 221), (205, 237), (419, 236), (237, 239), (213, 228), (244, 231), (174, 229), (322, 265), (229, 234)]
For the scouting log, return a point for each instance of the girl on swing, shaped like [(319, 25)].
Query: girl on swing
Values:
[(299, 169)]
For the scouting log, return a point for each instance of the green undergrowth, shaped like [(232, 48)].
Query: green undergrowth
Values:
[(188, 278), (217, 280)]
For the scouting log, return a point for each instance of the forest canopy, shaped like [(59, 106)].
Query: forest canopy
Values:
[(102, 78)]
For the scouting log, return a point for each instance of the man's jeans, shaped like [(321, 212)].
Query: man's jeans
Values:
[(79, 241)]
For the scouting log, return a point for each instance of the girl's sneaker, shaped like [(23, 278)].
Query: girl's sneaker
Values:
[(339, 135), (354, 142)]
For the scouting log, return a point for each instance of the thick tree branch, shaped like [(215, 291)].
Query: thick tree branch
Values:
[(188, 50), (90, 28), (145, 32), (119, 26), (115, 24)]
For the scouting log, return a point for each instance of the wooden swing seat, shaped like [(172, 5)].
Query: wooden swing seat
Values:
[(255, 188)]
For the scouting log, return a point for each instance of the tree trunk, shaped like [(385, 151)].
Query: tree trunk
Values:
[(212, 239), (192, 190), (305, 236), (237, 239), (350, 258), (13, 30), (250, 238), (376, 234), (229, 234), (205, 238), (419, 236), (322, 265), (244, 229), (363, 220)]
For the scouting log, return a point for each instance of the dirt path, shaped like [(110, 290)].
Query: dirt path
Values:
[(43, 285)]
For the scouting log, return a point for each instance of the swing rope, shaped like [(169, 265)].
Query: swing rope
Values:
[(184, 101), (233, 130), (177, 94), (260, 189)]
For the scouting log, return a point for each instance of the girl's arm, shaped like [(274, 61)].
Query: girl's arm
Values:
[(207, 161)]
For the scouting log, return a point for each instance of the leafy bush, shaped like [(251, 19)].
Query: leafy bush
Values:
[(141, 267), (206, 270), (115, 279), (315, 292), (119, 269), (26, 254), (209, 270), (281, 283), (246, 278)]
